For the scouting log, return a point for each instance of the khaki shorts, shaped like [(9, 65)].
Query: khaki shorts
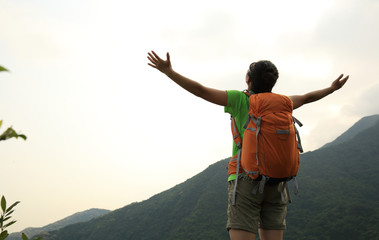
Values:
[(261, 210)]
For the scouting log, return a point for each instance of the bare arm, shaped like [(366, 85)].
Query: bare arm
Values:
[(210, 94), (299, 100)]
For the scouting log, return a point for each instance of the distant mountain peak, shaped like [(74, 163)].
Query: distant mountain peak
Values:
[(363, 124), (72, 219)]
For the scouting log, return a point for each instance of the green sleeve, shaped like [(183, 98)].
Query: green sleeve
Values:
[(237, 106), (233, 102)]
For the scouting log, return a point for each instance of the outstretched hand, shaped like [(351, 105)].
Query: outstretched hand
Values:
[(339, 82), (156, 62)]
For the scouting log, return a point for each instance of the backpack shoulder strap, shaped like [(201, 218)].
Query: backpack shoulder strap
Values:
[(248, 92), (236, 135), (238, 141)]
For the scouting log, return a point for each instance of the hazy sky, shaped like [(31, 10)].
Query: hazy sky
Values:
[(105, 129)]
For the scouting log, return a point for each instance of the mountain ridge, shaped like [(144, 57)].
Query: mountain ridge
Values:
[(82, 216), (338, 188), (361, 125)]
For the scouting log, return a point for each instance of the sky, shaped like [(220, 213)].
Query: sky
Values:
[(104, 129)]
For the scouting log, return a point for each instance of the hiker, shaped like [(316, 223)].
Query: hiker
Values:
[(261, 212)]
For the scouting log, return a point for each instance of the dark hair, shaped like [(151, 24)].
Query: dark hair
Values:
[(263, 76)]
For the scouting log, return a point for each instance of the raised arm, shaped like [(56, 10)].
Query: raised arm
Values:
[(299, 100), (210, 94)]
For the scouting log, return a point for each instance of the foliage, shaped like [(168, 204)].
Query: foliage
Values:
[(2, 69), (10, 133), (5, 219), (24, 237), (6, 212), (5, 216)]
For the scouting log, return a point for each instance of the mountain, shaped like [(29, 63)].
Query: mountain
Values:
[(358, 127), (338, 199), (194, 209), (75, 218)]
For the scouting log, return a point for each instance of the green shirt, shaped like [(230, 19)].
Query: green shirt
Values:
[(238, 107)]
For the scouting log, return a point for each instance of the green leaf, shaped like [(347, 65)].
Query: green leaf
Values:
[(4, 235), (8, 224), (8, 213), (24, 237), (3, 204), (22, 136), (1, 122), (10, 133), (12, 206), (3, 69)]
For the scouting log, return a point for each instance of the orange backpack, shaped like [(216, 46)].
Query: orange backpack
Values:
[(270, 148), (271, 144)]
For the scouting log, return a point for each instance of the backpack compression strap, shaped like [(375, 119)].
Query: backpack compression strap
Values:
[(257, 122), (299, 146)]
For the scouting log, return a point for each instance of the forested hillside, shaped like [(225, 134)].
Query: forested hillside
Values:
[(339, 193), (338, 199)]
